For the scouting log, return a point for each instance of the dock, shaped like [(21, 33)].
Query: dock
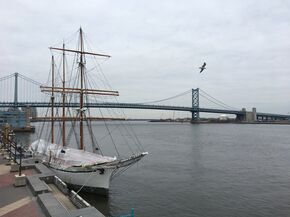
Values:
[(42, 195)]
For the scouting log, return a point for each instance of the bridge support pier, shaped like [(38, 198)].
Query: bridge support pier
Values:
[(248, 116), (195, 105)]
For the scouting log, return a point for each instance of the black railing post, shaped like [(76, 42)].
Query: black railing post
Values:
[(1, 139), (20, 160), (10, 150), (15, 151)]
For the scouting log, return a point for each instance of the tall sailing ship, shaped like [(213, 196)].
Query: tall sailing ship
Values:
[(81, 169)]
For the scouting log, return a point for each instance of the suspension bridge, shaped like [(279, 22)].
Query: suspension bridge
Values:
[(19, 86)]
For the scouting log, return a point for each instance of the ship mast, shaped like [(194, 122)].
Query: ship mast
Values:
[(81, 111), (81, 91), (63, 95), (52, 100)]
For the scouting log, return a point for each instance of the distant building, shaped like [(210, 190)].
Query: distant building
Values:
[(223, 117), (14, 117), (31, 112), (18, 119)]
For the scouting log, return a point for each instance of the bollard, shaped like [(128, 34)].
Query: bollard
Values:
[(20, 179)]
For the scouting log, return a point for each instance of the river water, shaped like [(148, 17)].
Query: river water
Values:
[(204, 170)]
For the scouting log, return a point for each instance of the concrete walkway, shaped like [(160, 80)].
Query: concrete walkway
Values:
[(4, 169), (12, 206), (16, 201)]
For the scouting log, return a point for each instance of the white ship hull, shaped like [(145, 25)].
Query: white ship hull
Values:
[(80, 169), (91, 181)]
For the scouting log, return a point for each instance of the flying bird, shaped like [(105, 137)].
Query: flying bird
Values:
[(202, 67)]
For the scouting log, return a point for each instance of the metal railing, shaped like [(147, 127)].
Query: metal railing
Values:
[(15, 151)]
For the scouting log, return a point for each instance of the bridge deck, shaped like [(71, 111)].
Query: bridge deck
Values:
[(139, 106)]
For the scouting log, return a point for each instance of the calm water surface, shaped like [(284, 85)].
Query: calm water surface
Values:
[(204, 170)]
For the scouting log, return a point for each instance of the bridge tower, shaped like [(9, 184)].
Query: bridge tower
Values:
[(15, 89), (195, 105)]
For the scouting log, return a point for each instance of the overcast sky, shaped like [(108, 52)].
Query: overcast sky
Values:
[(157, 46)]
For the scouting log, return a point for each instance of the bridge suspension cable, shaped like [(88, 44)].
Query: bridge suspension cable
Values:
[(27, 88), (29, 80), (21, 76), (215, 100), (169, 98), (6, 77)]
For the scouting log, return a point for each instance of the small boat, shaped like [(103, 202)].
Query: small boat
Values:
[(83, 170)]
